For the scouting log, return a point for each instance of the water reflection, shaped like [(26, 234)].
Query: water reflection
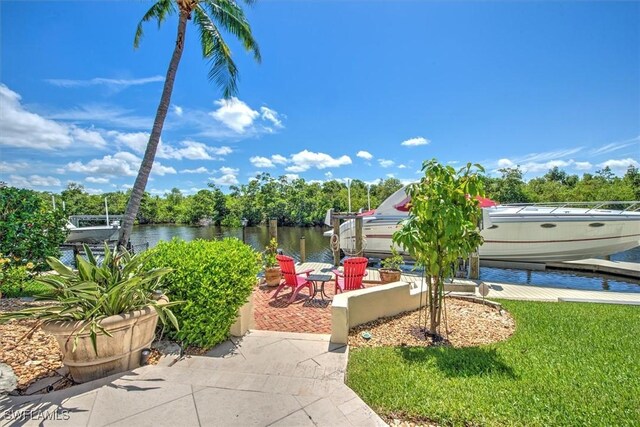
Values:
[(317, 250)]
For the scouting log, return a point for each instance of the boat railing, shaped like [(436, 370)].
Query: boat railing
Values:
[(621, 206)]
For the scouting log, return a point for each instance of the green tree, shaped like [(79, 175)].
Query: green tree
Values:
[(509, 188), (209, 16), (442, 226), (200, 206)]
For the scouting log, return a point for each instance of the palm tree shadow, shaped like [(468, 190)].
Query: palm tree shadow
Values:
[(460, 362)]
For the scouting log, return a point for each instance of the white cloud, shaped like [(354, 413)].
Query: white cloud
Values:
[(414, 142), (402, 166), (271, 116), (532, 167), (279, 160), (90, 137), (221, 151), (119, 164), (10, 167), (364, 155), (390, 175), (100, 81), (228, 171), (191, 150), (33, 181), (108, 115), (386, 163), (265, 162), (95, 180), (505, 163), (614, 146), (177, 110), (93, 190), (328, 174), (620, 165), (549, 155), (291, 176), (137, 141), (234, 114), (116, 165), (201, 169), (21, 128), (229, 179), (305, 160), (582, 166), (160, 169), (261, 162)]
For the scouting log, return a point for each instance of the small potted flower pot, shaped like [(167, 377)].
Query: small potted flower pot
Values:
[(272, 274), (390, 271)]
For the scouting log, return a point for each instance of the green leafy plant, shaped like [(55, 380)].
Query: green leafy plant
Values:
[(269, 255), (29, 227), (394, 261), (16, 277), (214, 278), (442, 226), (119, 284)]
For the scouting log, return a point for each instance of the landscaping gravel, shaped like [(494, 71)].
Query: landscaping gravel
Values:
[(30, 352)]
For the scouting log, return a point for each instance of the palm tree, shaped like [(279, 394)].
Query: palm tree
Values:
[(208, 16)]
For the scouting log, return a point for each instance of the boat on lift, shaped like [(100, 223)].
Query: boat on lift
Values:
[(535, 233), (94, 234)]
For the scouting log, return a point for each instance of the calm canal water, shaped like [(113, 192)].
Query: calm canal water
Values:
[(317, 249)]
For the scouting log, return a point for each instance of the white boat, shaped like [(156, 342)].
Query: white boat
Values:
[(95, 234), (521, 232), (91, 234)]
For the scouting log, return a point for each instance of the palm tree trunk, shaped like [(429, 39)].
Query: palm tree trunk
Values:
[(150, 153)]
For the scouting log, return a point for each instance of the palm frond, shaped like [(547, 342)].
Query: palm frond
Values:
[(159, 11), (223, 70), (231, 17)]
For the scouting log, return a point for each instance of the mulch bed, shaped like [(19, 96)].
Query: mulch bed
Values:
[(468, 324), (33, 354)]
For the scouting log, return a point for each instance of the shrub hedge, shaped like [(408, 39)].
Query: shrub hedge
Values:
[(213, 278)]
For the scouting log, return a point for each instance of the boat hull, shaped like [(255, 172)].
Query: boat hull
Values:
[(522, 238), (92, 234)]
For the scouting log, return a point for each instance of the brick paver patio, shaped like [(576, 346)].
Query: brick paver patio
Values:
[(302, 315)]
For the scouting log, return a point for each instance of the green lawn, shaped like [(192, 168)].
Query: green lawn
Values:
[(567, 364), (29, 288)]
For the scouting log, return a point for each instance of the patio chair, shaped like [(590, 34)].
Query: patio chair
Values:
[(293, 279), (351, 277)]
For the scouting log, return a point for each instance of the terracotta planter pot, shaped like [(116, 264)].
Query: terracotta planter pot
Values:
[(131, 332), (272, 276), (388, 275)]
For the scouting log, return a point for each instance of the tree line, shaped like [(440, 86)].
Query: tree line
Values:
[(303, 203), (292, 202)]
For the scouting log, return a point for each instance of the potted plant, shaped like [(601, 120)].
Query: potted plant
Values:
[(390, 271), (272, 273), (102, 314)]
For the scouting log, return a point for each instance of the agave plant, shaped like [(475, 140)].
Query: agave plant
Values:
[(117, 285)]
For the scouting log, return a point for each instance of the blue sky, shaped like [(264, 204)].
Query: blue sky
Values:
[(358, 89)]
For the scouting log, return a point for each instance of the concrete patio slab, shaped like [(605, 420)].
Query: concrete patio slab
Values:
[(264, 378)]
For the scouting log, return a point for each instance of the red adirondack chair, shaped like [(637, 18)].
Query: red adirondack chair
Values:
[(293, 279), (351, 278)]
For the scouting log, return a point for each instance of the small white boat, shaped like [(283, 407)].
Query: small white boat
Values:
[(95, 234), (521, 232)]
